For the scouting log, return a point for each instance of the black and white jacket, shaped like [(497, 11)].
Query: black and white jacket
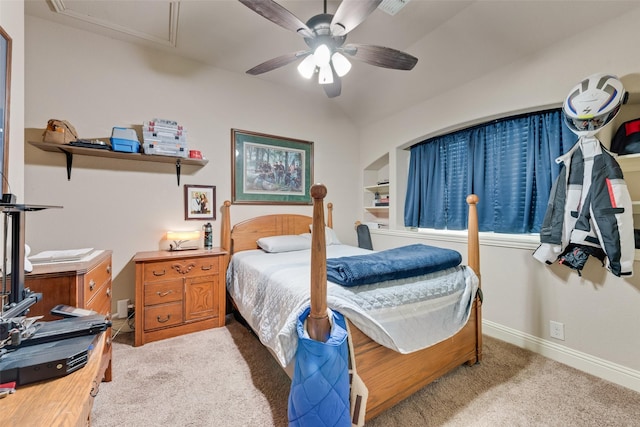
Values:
[(589, 205)]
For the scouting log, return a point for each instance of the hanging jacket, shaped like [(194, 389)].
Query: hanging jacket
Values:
[(589, 205)]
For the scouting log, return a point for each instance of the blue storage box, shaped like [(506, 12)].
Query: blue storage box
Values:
[(124, 140)]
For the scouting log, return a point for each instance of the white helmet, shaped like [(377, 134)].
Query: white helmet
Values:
[(593, 103)]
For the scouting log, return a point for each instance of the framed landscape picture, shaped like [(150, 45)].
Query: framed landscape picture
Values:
[(268, 169)]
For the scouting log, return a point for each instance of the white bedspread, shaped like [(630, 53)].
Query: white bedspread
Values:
[(272, 289)]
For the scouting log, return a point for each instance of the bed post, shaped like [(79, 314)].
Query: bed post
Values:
[(225, 228), (318, 324), (330, 215), (474, 263)]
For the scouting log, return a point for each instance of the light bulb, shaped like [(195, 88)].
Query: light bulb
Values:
[(325, 76), (307, 67), (341, 64), (322, 55)]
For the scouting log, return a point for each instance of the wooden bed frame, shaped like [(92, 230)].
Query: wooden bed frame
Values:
[(390, 376)]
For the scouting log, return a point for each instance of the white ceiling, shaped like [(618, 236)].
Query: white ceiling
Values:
[(455, 41)]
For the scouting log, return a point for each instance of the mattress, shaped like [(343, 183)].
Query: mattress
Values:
[(271, 290)]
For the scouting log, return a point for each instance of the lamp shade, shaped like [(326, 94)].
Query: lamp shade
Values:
[(307, 67), (180, 237), (341, 64), (322, 55), (325, 76)]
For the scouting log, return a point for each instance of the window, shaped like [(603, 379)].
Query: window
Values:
[(509, 163)]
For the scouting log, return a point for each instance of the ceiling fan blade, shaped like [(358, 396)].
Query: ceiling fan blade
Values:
[(333, 89), (277, 62), (380, 56), (279, 15), (350, 14)]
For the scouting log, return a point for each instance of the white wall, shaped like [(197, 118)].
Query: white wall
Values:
[(600, 311), (97, 83)]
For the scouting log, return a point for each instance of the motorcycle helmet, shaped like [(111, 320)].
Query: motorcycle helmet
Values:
[(593, 103)]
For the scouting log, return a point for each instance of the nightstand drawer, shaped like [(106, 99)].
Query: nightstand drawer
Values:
[(95, 278), (162, 292), (180, 268), (161, 316)]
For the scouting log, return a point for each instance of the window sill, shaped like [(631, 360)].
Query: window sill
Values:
[(516, 241)]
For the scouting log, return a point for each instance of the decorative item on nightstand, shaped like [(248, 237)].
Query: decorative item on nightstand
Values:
[(208, 236), (181, 237)]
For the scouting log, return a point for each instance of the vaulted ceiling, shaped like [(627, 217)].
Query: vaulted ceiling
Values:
[(455, 41)]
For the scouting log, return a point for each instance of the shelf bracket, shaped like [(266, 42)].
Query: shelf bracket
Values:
[(178, 171), (69, 157)]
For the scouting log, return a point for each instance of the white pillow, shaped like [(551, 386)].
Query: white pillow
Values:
[(285, 243), (331, 238)]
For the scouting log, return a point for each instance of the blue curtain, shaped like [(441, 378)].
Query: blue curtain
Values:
[(510, 164)]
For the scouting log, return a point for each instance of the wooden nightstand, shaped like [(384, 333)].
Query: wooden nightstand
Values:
[(178, 293)]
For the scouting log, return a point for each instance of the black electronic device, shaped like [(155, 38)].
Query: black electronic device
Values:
[(56, 330), (8, 198), (44, 361), (88, 143), (67, 311)]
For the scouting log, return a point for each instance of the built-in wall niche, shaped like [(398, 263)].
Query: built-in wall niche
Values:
[(377, 199)]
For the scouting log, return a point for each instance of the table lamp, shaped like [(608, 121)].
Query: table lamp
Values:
[(180, 237)]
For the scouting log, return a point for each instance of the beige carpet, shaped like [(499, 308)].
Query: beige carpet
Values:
[(225, 377)]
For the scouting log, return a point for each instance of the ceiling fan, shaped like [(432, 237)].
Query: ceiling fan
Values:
[(325, 34)]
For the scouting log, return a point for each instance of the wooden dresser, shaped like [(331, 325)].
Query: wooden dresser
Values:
[(84, 284), (178, 292)]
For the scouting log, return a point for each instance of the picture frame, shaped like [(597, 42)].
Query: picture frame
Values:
[(269, 169), (199, 202), (5, 90)]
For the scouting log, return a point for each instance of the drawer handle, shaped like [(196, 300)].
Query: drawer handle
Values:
[(108, 291), (160, 320), (205, 268), (164, 294), (95, 388), (159, 273), (92, 284), (109, 269)]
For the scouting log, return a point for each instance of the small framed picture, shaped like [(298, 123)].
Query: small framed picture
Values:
[(199, 202)]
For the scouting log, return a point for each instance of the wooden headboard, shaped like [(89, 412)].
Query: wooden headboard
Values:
[(243, 235)]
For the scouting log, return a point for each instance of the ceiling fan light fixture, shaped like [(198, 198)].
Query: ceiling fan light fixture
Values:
[(322, 55), (341, 64), (307, 67), (325, 76)]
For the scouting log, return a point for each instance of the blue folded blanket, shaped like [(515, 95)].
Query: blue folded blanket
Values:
[(397, 263)]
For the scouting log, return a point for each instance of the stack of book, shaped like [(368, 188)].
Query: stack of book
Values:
[(165, 138), (383, 200)]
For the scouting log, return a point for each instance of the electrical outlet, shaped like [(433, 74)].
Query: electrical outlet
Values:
[(123, 309), (556, 330)]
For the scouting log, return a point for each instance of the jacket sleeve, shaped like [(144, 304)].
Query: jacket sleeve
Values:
[(612, 214), (551, 230)]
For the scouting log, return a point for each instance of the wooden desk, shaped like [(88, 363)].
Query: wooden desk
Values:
[(61, 402)]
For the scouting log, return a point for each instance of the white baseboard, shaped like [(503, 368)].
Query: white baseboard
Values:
[(601, 368)]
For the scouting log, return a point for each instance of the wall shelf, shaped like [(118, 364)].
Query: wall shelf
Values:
[(376, 208), (69, 151)]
